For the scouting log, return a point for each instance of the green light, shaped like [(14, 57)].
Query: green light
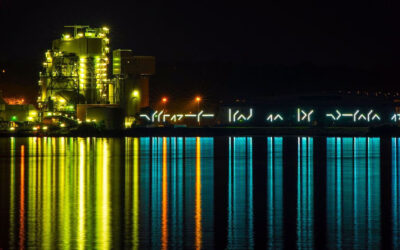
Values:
[(14, 118)]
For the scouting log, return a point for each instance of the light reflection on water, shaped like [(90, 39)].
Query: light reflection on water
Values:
[(396, 192), (240, 193), (274, 193), (305, 202), (159, 192), (89, 193), (353, 195)]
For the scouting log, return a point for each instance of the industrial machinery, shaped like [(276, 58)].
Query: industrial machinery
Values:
[(74, 80), (75, 71)]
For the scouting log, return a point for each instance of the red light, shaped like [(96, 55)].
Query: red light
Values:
[(164, 100), (198, 99)]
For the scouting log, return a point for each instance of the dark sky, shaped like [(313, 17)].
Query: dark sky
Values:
[(266, 43)]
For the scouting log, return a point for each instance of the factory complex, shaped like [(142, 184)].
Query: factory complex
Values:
[(76, 86), (83, 83)]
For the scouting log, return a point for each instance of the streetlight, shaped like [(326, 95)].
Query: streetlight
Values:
[(132, 108), (198, 100), (164, 101), (135, 97)]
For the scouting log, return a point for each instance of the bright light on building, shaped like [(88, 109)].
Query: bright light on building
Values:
[(135, 93)]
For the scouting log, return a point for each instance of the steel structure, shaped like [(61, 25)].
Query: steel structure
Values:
[(75, 71)]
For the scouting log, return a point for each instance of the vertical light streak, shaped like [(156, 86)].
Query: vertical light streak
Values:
[(249, 170), (305, 193), (369, 196), (31, 212), (22, 201), (128, 158), (45, 198), (395, 192), (164, 214), (64, 203), (81, 196), (136, 194), (198, 225), (339, 189), (355, 187), (12, 191), (270, 191), (105, 211), (230, 198)]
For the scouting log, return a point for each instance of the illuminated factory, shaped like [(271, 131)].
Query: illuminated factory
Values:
[(81, 83), (75, 80)]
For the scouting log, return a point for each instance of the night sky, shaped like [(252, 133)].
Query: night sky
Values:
[(219, 49)]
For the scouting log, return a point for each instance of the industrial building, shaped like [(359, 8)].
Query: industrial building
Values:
[(13, 111), (75, 80)]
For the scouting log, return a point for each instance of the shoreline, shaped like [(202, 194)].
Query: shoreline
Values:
[(215, 131)]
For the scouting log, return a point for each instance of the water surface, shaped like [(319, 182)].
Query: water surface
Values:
[(200, 193)]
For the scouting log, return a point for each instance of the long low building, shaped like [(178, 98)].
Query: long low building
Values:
[(301, 110)]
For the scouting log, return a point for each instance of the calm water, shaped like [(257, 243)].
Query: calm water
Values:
[(210, 193)]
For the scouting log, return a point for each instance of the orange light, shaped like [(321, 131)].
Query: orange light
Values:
[(164, 99), (198, 99), (14, 101)]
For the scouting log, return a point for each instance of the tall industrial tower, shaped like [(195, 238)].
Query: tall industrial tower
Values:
[(75, 71)]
